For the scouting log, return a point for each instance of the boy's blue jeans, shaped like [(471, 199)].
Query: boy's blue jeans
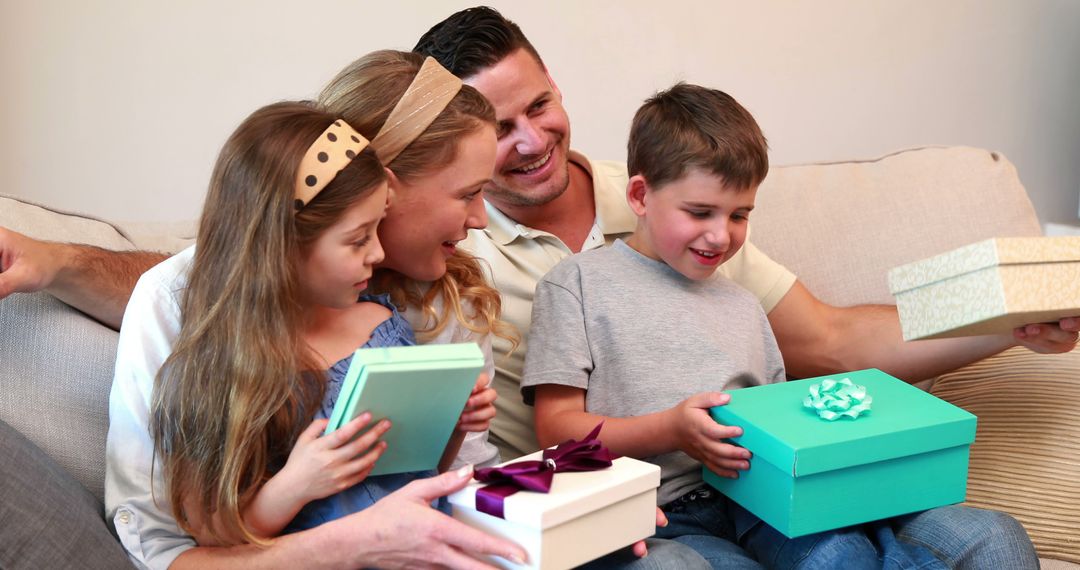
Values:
[(947, 537)]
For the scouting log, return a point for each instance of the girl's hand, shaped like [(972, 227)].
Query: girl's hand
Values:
[(480, 407), (321, 465), (700, 436)]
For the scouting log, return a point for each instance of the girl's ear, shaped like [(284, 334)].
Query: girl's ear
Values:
[(636, 190)]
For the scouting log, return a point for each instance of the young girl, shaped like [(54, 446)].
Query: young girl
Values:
[(287, 244), (274, 289)]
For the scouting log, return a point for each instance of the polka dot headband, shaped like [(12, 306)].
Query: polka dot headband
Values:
[(428, 95), (332, 151)]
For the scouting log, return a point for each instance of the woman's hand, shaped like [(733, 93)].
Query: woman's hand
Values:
[(403, 531)]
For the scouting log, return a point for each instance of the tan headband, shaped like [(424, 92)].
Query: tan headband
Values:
[(329, 154), (430, 92)]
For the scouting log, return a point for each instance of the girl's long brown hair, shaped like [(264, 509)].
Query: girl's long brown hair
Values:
[(241, 382), (389, 73)]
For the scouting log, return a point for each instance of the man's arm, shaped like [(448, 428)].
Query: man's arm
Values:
[(817, 339), (96, 281)]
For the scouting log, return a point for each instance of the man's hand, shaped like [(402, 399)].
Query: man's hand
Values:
[(701, 437), (26, 265), (1049, 338), (403, 531)]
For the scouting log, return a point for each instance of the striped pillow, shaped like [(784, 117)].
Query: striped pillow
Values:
[(1026, 457)]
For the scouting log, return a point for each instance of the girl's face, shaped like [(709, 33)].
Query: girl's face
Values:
[(338, 264), (431, 214)]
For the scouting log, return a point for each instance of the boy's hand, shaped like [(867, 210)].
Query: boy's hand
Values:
[(321, 465), (480, 407), (700, 436)]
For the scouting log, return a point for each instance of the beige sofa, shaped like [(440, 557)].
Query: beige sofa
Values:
[(839, 226)]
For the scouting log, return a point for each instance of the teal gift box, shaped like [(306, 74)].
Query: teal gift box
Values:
[(907, 453)]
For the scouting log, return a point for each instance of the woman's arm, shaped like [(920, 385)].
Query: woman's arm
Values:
[(399, 531)]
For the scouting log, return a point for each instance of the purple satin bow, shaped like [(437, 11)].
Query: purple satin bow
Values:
[(585, 455)]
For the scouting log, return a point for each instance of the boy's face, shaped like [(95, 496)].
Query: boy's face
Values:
[(694, 224)]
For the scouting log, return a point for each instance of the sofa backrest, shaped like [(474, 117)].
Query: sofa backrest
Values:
[(841, 226)]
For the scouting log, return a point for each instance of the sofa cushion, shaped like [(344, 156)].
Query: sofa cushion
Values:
[(841, 226), (1026, 456), (47, 520)]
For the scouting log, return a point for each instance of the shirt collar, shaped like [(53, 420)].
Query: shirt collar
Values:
[(612, 214)]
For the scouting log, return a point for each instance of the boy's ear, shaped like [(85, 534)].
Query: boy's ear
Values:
[(636, 190)]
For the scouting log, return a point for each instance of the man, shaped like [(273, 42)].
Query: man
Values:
[(546, 202)]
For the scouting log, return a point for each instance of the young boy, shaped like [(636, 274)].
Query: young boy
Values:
[(643, 335)]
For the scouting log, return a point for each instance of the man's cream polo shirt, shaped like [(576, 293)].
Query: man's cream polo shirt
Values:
[(518, 256)]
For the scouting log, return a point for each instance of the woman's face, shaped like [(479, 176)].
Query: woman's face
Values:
[(430, 214)]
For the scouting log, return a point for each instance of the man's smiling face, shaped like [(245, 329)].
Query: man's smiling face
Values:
[(531, 168)]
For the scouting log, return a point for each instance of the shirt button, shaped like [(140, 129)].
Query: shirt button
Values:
[(125, 517)]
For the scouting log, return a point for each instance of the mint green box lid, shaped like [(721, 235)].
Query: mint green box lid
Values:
[(903, 421), (421, 389)]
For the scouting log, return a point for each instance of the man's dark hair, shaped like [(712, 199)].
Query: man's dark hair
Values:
[(689, 126), (473, 39)]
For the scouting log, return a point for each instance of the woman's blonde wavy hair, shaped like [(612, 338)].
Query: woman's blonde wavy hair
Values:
[(389, 73), (240, 384)]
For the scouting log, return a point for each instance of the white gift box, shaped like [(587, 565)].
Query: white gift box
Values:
[(989, 287), (585, 515)]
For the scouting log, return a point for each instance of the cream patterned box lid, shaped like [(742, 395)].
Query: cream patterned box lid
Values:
[(989, 287), (983, 254)]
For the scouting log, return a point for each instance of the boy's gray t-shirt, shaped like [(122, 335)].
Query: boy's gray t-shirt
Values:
[(640, 337)]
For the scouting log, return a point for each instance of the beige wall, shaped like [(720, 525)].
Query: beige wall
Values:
[(118, 107)]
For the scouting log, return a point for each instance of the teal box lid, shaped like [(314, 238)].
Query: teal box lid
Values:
[(903, 421), (421, 389)]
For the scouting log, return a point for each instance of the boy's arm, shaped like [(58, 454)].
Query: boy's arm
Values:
[(686, 427), (96, 281)]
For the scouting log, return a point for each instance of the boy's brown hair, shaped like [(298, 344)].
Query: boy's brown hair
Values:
[(689, 126)]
